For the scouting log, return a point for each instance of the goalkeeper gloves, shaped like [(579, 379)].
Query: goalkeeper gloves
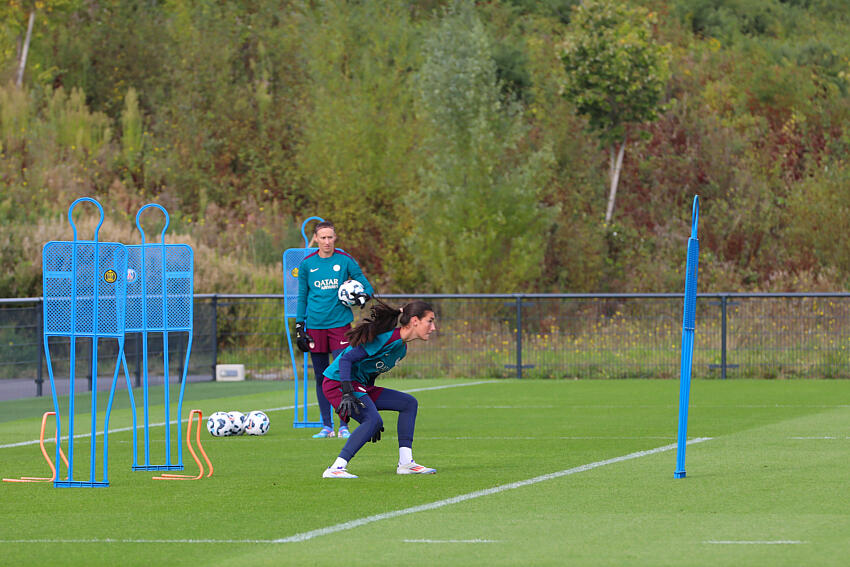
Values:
[(349, 403), (361, 299), (377, 436), (302, 339)]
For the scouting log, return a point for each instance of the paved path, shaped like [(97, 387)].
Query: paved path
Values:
[(15, 389)]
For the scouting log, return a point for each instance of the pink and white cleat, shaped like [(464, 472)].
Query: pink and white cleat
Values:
[(337, 472), (325, 433), (413, 468)]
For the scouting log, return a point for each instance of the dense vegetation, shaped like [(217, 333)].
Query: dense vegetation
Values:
[(443, 137)]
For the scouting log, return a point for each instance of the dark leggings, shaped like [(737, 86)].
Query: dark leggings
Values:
[(321, 360), (370, 420)]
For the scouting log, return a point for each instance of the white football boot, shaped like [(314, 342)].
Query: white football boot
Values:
[(413, 468), (337, 472)]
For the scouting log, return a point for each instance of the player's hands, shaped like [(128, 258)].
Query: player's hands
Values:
[(302, 339), (349, 404), (361, 299), (377, 436)]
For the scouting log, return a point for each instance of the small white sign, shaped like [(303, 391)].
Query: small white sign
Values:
[(229, 372)]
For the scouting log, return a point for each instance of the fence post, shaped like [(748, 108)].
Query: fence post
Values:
[(91, 361), (519, 336), (138, 352), (724, 365), (723, 299), (181, 357), (39, 381), (215, 333)]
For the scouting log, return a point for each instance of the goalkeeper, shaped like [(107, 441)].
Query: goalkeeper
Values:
[(378, 343), (321, 321)]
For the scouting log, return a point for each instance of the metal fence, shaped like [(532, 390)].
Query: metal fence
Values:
[(738, 335)]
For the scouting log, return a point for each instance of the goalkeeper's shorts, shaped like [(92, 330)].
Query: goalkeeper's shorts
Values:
[(333, 393), (329, 340)]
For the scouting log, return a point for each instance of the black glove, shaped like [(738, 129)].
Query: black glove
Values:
[(349, 403), (361, 299), (377, 436), (302, 339)]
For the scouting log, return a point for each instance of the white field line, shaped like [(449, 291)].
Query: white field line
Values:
[(652, 406), (756, 542), (552, 437), (282, 408), (543, 438), (116, 540), (502, 407), (450, 541), (305, 536)]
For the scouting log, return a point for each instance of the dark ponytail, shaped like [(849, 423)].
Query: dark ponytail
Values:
[(384, 318)]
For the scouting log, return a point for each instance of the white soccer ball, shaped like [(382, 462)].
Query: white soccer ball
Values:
[(218, 424), (348, 290), (238, 420), (257, 423)]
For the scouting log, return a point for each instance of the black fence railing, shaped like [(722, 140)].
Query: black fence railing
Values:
[(738, 335)]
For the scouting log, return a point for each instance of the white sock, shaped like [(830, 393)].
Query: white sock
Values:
[(339, 463), (405, 455)]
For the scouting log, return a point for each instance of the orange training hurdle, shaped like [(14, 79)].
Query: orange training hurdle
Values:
[(46, 456), (167, 476)]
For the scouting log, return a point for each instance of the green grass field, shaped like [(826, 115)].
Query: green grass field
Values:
[(767, 488)]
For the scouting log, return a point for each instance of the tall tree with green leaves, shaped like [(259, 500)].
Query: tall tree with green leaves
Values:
[(18, 19), (354, 159), (616, 75), (480, 225)]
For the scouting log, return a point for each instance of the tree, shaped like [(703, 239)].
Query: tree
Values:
[(355, 154), (615, 75), (18, 17), (480, 225)]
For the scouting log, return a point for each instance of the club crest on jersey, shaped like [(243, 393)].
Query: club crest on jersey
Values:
[(337, 267), (328, 283)]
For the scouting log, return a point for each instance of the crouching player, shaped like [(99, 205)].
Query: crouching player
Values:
[(377, 344)]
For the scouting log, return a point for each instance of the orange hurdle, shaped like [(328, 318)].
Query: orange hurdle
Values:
[(46, 456), (168, 476)]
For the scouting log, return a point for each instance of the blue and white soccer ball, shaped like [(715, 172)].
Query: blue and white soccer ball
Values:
[(347, 292), (219, 424), (238, 420), (257, 423)]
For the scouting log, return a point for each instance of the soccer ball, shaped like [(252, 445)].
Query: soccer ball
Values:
[(219, 424), (257, 423), (238, 420), (348, 290)]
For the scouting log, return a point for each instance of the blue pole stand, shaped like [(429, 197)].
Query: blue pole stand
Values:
[(688, 321)]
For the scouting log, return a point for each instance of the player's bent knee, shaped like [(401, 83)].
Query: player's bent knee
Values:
[(413, 404), (372, 419)]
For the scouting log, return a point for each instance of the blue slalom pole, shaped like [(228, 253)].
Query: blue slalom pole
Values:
[(688, 322)]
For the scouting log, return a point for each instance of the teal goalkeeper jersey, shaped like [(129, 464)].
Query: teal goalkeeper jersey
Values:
[(381, 355), (318, 283)]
